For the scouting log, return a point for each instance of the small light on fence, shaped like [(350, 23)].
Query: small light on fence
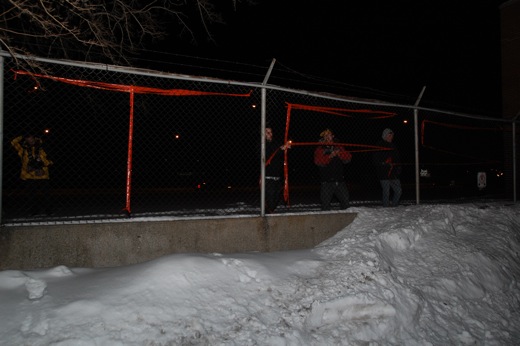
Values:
[(176, 136), (405, 121), (253, 106), (47, 131), (35, 88)]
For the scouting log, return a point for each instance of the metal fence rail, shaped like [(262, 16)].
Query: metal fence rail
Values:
[(127, 142)]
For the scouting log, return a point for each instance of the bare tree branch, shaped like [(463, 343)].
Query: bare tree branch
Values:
[(103, 30)]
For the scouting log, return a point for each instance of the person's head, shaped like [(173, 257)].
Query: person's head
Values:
[(388, 135), (268, 133), (30, 139), (327, 136)]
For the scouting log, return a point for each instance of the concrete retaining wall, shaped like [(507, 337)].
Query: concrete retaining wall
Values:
[(121, 243)]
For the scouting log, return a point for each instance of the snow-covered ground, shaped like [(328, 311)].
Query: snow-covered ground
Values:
[(412, 275)]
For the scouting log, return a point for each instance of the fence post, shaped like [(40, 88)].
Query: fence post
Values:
[(514, 154), (262, 140), (416, 139), (1, 131)]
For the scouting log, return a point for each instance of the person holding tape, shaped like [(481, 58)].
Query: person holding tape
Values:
[(273, 170), (331, 158)]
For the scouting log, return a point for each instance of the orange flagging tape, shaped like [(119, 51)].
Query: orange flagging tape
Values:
[(132, 90), (340, 111), (129, 88), (344, 112)]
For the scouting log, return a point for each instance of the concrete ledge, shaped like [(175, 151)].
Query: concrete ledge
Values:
[(121, 243)]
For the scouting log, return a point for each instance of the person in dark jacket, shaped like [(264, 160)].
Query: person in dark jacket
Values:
[(273, 170), (330, 158), (388, 168)]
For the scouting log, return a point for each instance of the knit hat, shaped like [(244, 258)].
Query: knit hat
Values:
[(325, 132), (386, 132)]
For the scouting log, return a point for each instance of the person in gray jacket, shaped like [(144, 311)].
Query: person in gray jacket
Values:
[(388, 168)]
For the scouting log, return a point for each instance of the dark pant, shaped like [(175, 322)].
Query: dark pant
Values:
[(37, 196), (395, 185), (273, 190), (329, 190)]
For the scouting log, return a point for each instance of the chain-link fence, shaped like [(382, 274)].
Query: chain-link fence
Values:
[(135, 143)]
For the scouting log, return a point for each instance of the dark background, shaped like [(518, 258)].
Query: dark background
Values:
[(375, 49)]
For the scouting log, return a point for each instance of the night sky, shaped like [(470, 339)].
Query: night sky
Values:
[(385, 50)]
